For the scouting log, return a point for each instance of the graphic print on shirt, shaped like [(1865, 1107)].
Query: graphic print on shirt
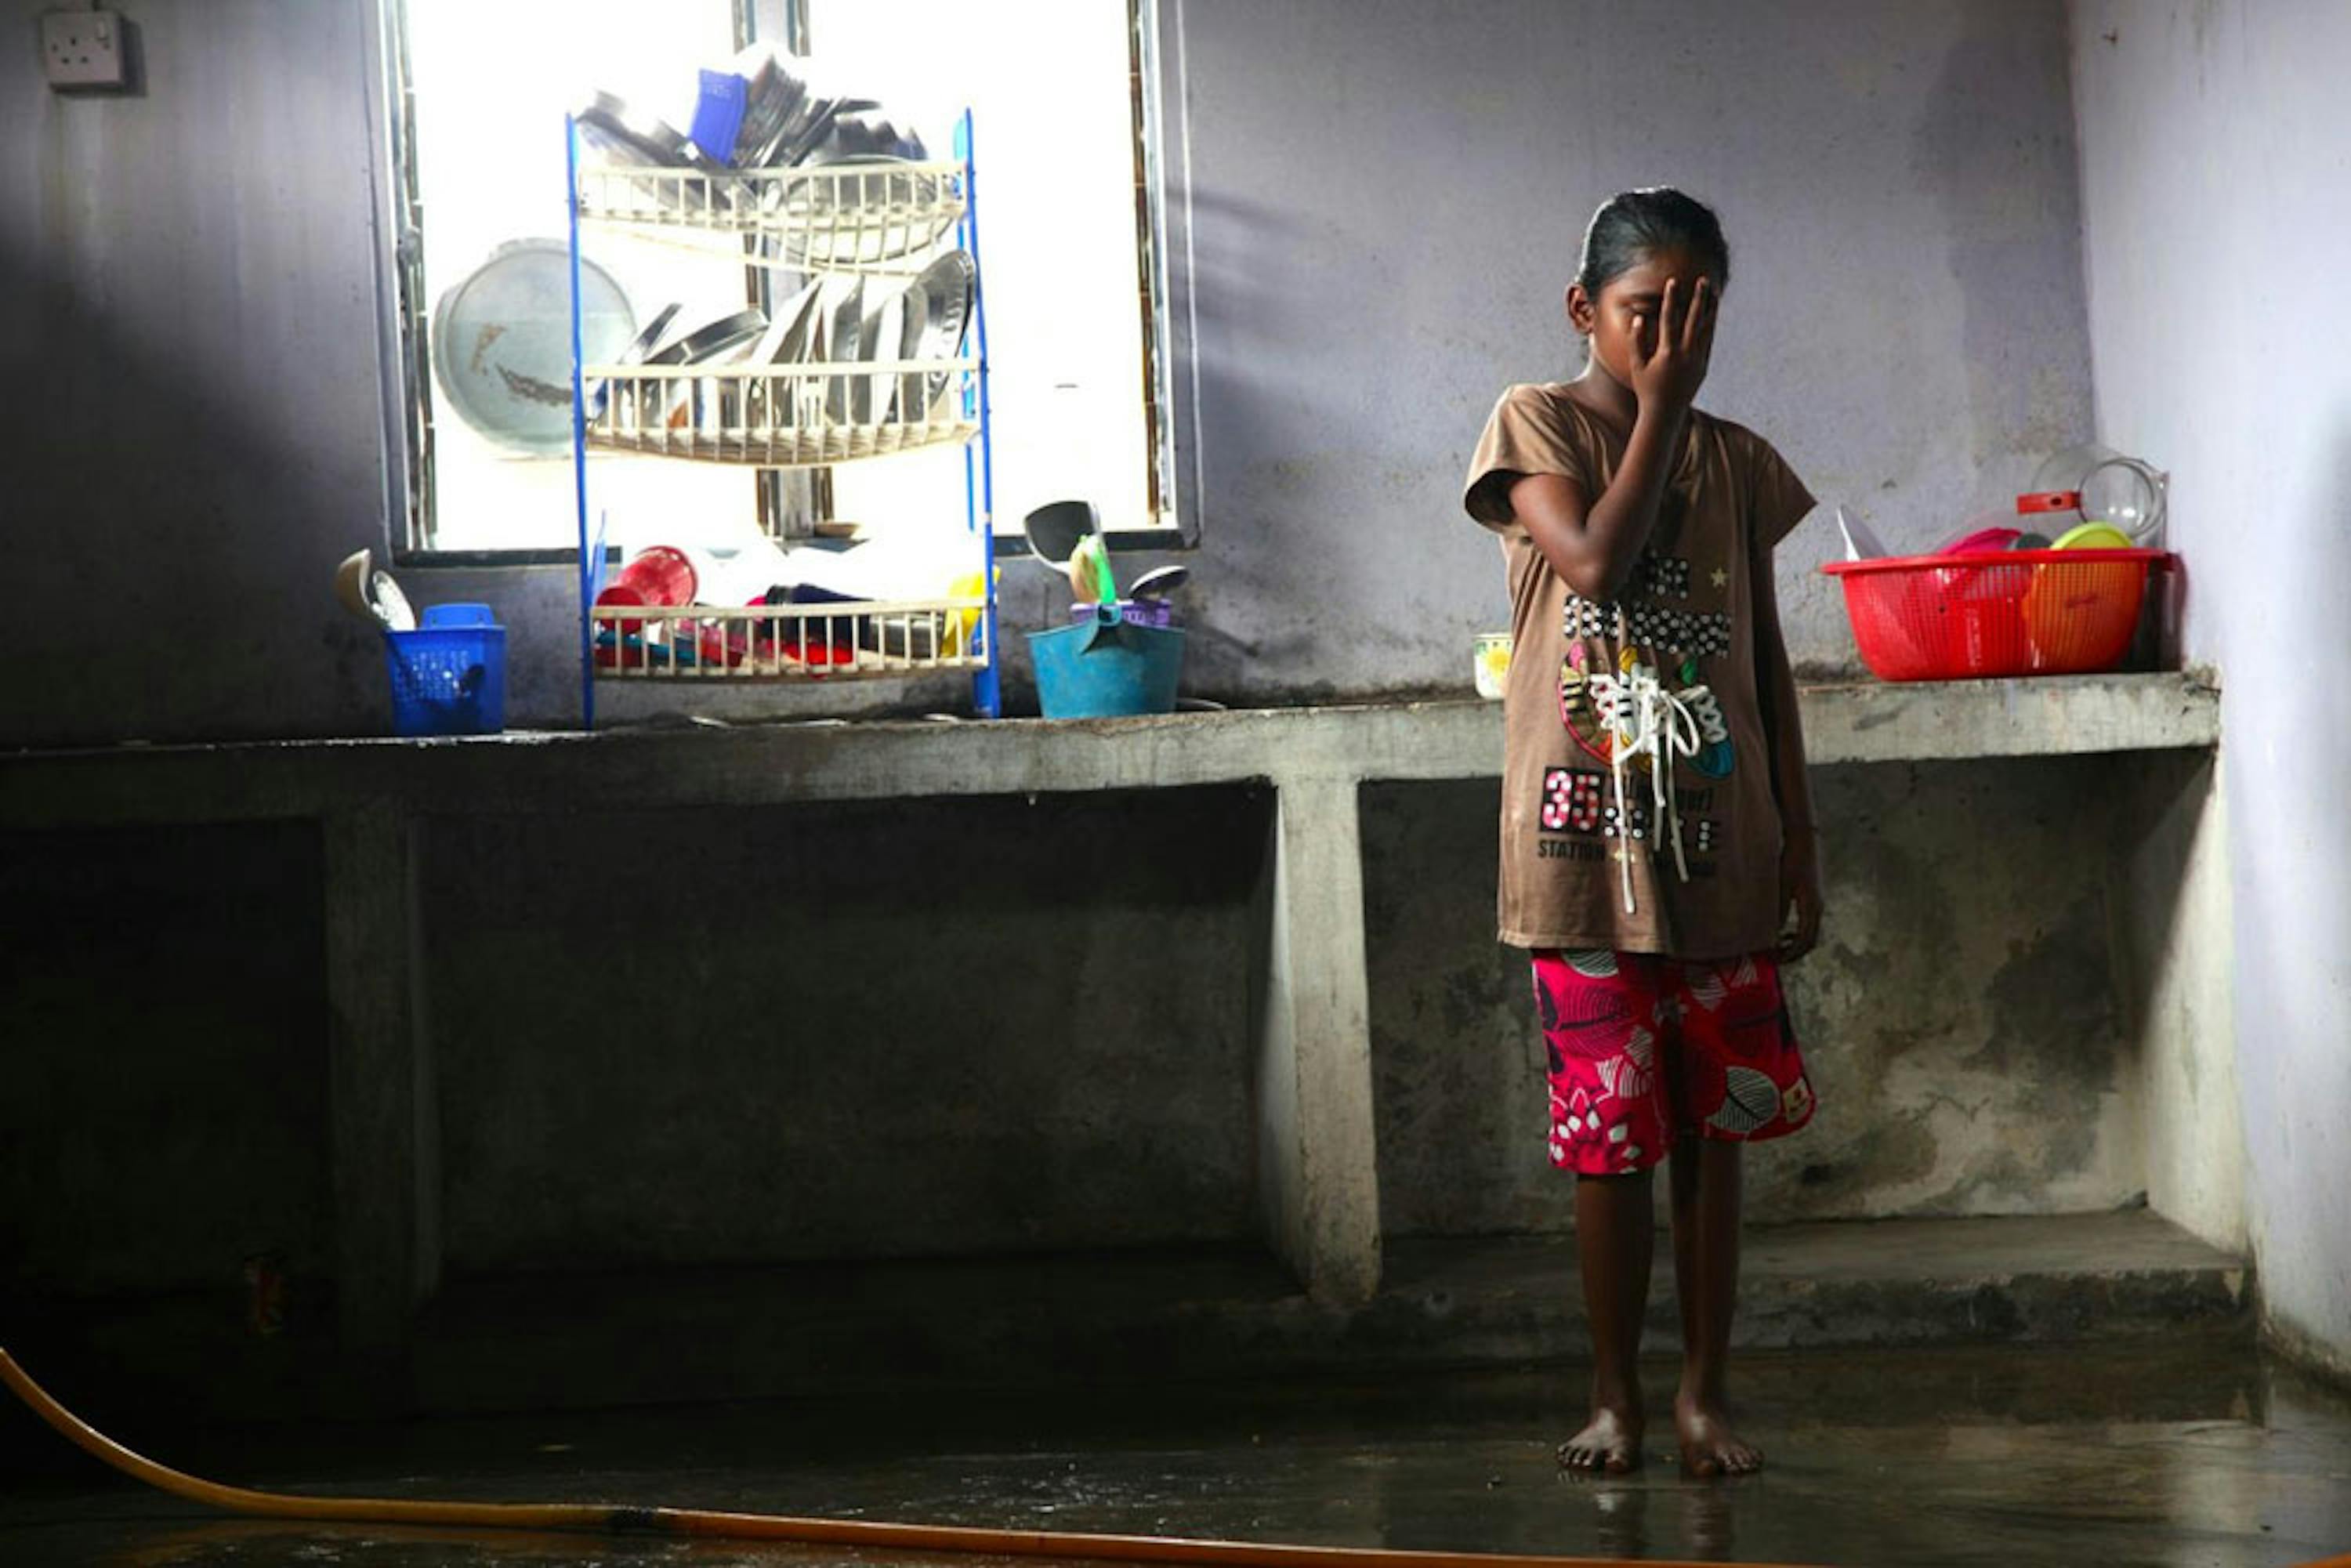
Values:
[(1653, 711), (1714, 757), (1572, 800), (1575, 708), (1705, 633), (1663, 577)]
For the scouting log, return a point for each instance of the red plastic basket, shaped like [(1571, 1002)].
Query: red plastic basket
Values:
[(2018, 612)]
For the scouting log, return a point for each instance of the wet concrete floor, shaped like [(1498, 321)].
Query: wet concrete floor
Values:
[(2185, 1454)]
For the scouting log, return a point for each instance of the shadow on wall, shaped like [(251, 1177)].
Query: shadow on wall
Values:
[(183, 537), (1253, 356), (157, 1133), (1030, 1076), (2005, 193)]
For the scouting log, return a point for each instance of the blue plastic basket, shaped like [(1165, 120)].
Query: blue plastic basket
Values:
[(447, 679), (1106, 667)]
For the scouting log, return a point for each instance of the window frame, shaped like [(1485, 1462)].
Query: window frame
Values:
[(1170, 400), (1164, 178)]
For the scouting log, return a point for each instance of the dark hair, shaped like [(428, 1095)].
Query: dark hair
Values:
[(1634, 224)]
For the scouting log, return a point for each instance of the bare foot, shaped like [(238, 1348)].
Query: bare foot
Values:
[(1610, 1444), (1709, 1446)]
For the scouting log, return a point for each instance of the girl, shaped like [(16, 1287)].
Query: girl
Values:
[(1657, 850)]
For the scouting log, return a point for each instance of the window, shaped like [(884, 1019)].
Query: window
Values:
[(1075, 297)]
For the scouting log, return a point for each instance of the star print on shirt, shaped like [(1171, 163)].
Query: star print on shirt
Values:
[(1721, 577)]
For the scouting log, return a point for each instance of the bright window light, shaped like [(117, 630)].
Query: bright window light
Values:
[(1050, 85), (1048, 82), (493, 82)]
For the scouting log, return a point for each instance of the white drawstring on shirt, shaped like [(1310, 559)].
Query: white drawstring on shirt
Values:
[(1644, 719)]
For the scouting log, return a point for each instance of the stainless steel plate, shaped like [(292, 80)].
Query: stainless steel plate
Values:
[(775, 97), (634, 353), (937, 311), (878, 343), (845, 347), (788, 322), (812, 123), (628, 137), (712, 339), (784, 343), (685, 403)]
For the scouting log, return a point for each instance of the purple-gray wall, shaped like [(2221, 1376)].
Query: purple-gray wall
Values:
[(2217, 193), (1388, 200)]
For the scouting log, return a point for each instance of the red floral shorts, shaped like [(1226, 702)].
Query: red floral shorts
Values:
[(1643, 1049)]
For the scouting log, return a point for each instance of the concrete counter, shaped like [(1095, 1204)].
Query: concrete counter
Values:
[(1317, 1166), (778, 764)]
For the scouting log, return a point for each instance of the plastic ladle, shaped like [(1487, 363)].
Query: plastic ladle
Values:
[(352, 585), (1055, 529), (392, 606), (372, 595), (1159, 584), (1066, 537)]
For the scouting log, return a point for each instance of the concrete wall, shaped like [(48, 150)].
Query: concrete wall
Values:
[(166, 1117), (654, 1036), (2215, 200), (861, 1030), (1388, 198), (187, 324), (663, 1038), (659, 1039), (1972, 1055), (2169, 897)]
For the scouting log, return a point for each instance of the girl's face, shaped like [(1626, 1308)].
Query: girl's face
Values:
[(1626, 309)]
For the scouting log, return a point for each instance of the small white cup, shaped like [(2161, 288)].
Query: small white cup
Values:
[(1492, 663)]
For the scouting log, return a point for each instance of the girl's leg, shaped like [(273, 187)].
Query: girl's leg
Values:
[(1615, 1238), (1705, 1193)]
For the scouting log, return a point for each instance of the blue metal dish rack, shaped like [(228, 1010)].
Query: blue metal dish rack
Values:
[(877, 207)]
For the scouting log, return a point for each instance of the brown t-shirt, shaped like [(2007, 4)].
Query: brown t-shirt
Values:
[(1689, 618)]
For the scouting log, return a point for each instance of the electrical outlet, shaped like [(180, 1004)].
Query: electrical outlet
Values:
[(83, 49)]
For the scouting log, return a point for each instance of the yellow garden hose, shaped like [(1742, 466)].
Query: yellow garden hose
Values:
[(610, 1519)]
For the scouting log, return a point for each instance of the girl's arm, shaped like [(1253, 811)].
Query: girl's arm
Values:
[(1783, 729), (1593, 545)]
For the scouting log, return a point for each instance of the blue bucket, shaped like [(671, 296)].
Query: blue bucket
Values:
[(1106, 667), (448, 677)]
